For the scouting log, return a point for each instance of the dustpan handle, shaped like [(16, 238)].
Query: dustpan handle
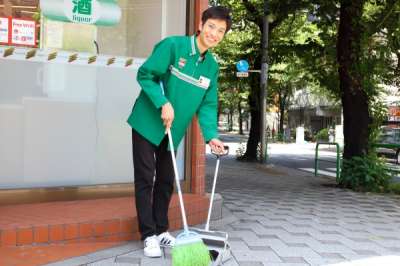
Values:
[(178, 186), (212, 195), (226, 151), (219, 155)]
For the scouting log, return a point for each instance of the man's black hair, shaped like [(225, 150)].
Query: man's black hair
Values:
[(218, 12)]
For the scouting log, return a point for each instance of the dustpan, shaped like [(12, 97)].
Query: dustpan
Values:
[(216, 241)]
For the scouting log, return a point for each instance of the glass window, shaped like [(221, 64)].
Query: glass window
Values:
[(71, 110)]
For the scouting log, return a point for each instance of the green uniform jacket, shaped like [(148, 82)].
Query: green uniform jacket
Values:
[(189, 83)]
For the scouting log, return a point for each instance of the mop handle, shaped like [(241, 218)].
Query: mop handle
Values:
[(178, 186), (226, 151)]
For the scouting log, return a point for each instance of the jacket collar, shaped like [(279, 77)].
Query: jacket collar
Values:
[(193, 46), (194, 49)]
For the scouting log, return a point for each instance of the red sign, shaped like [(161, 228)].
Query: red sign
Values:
[(4, 30), (23, 32), (394, 113), (18, 32)]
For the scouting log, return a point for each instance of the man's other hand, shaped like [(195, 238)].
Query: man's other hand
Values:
[(216, 146)]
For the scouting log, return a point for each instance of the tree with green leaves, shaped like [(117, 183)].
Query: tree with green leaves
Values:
[(362, 32), (355, 52), (248, 19), (286, 78), (233, 90)]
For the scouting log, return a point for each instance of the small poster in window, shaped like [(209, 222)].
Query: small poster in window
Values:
[(4, 30), (23, 32)]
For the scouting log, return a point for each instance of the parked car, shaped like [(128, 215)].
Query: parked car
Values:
[(389, 143)]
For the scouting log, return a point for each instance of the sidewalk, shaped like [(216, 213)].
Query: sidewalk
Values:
[(283, 217)]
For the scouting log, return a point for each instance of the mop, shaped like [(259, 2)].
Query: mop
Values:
[(189, 249), (216, 241)]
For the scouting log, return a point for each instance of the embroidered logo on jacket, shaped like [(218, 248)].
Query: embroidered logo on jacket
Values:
[(182, 62)]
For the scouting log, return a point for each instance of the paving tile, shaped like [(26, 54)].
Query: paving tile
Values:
[(251, 263), (298, 245), (264, 248), (331, 255), (256, 256), (238, 245), (293, 260), (285, 264), (359, 240), (330, 242), (296, 252), (366, 252), (268, 236), (82, 260)]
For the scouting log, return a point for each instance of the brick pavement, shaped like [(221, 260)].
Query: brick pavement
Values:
[(287, 217), (283, 217)]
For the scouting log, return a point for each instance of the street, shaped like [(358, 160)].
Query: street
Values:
[(302, 157), (296, 156)]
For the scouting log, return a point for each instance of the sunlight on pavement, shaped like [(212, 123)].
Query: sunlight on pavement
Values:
[(374, 261)]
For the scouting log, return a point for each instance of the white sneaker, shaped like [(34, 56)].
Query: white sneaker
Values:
[(166, 240), (152, 247)]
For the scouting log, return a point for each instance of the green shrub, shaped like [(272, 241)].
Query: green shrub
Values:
[(241, 150), (394, 188), (322, 135), (280, 137), (367, 173)]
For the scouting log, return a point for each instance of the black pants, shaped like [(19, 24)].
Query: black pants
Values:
[(154, 184)]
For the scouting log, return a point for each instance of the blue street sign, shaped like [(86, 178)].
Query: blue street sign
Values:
[(242, 66)]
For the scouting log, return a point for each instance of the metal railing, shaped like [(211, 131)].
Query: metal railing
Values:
[(320, 160)]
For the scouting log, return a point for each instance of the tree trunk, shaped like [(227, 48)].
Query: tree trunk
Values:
[(240, 117), (282, 105), (230, 120), (254, 97), (281, 119), (264, 83), (255, 115), (254, 134), (354, 99)]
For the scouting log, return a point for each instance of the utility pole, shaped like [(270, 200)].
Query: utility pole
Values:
[(264, 84)]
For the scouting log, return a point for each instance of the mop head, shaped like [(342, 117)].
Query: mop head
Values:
[(189, 250)]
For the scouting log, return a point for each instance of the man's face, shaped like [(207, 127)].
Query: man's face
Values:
[(212, 32)]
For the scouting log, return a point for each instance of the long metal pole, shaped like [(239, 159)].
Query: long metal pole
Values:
[(264, 84)]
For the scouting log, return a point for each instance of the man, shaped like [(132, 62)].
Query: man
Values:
[(178, 80)]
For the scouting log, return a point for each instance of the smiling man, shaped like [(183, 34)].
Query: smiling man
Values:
[(178, 80)]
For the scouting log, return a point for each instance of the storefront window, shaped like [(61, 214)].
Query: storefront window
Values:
[(63, 108)]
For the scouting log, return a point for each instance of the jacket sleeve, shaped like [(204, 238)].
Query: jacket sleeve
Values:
[(207, 112), (151, 72)]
